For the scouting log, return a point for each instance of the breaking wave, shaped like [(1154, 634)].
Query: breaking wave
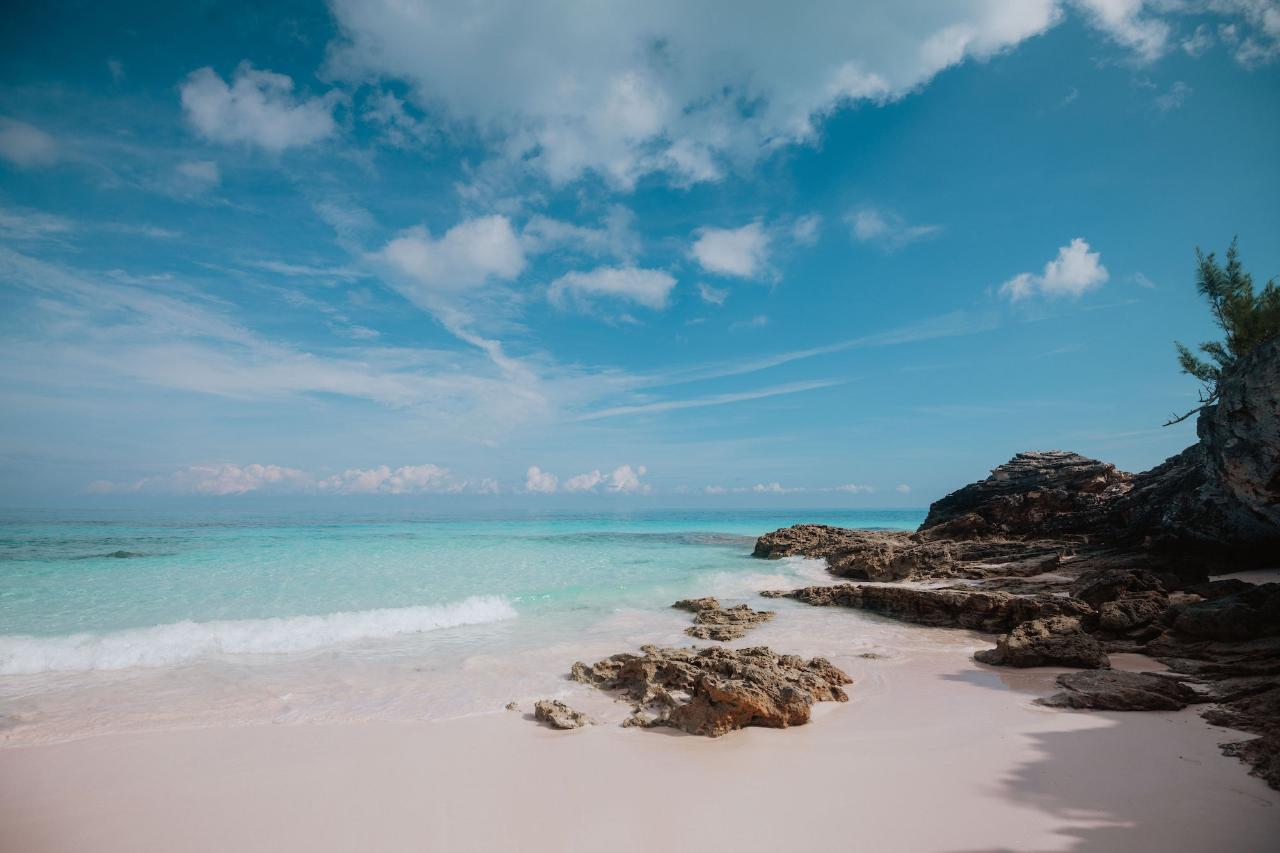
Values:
[(163, 645)]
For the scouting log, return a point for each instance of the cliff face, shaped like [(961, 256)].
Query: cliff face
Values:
[(1223, 491)]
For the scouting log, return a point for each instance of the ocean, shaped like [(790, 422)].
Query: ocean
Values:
[(137, 619)]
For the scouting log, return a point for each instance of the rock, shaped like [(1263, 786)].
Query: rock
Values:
[(1262, 754), (1132, 612), (994, 612), (1057, 641), (513, 706), (713, 622), (1109, 690), (1245, 615), (558, 715), (1038, 493), (1255, 712), (1103, 585), (715, 690), (865, 554)]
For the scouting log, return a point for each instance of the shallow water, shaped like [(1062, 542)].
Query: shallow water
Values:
[(134, 620)]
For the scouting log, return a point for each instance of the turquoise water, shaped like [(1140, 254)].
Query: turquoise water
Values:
[(133, 620)]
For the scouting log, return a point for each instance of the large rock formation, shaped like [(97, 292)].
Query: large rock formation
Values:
[(994, 612), (1037, 493), (715, 690), (1120, 691)]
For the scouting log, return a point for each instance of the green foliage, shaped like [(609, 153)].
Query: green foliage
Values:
[(1247, 318)]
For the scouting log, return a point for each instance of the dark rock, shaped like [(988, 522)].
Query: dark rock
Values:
[(1245, 615), (1132, 612), (1103, 585), (558, 715), (713, 622), (1056, 641), (1262, 754), (1252, 712), (1109, 690), (715, 690), (993, 612), (1038, 493)]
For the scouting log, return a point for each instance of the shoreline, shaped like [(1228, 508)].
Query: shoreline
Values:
[(928, 733)]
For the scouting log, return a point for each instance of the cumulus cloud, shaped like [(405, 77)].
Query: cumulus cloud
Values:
[(1075, 271), (257, 108), (466, 255), (539, 481), (26, 146), (584, 482), (1174, 98), (630, 89), (741, 252), (885, 228), (649, 288), (626, 479), (409, 479)]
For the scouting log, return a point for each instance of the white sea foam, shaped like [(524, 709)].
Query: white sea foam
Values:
[(163, 645)]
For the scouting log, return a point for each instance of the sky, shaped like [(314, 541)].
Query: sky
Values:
[(606, 253)]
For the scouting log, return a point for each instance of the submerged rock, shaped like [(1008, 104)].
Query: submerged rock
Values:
[(1108, 690), (1056, 641), (715, 690), (558, 715), (993, 612), (713, 622)]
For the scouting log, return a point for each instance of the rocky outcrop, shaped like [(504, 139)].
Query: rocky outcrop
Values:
[(1106, 690), (994, 612), (1057, 641), (1037, 493), (558, 715), (713, 622), (716, 690), (1262, 754)]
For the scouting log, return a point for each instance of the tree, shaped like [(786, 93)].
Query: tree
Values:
[(1246, 317)]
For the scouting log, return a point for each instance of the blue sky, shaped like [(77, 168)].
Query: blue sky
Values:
[(597, 252)]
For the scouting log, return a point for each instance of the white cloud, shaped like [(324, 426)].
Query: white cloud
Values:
[(806, 230), (715, 490), (626, 480), (258, 108), (399, 129), (713, 400), (759, 321), (1143, 281), (1075, 271), (26, 146), (584, 482), (1174, 98), (774, 488), (197, 176), (886, 228), (741, 252), (855, 489), (903, 488), (21, 223), (1125, 21), (539, 481), (616, 238), (649, 288), (1199, 41), (409, 479), (466, 256), (629, 89), (712, 295)]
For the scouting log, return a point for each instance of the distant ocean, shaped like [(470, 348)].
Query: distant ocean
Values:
[(155, 618)]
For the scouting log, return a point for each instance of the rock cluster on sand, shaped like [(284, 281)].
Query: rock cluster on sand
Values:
[(1056, 641), (1070, 559), (716, 690), (558, 715), (713, 622)]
